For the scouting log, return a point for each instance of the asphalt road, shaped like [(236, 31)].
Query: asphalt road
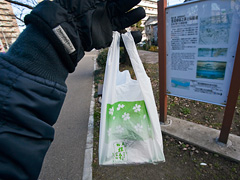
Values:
[(65, 158)]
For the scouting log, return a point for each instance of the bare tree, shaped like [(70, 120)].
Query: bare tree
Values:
[(27, 4), (21, 8)]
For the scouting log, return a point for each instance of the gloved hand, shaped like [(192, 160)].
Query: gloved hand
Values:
[(73, 26)]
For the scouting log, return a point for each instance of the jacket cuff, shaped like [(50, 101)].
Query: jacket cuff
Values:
[(34, 54), (58, 26)]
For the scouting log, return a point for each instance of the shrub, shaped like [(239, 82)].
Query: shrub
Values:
[(146, 47), (123, 55), (102, 57), (153, 48)]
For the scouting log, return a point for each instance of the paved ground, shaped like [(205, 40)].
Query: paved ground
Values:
[(148, 56), (180, 163), (204, 137), (65, 157)]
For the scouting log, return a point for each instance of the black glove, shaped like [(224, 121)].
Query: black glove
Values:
[(73, 26)]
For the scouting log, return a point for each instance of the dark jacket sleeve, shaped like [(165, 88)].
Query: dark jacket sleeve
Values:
[(32, 91)]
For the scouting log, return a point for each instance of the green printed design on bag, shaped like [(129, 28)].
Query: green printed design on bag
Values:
[(128, 121), (120, 153)]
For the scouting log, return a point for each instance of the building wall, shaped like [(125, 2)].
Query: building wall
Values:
[(9, 30), (151, 29), (150, 7)]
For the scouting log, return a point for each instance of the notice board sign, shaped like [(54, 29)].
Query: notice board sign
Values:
[(202, 39)]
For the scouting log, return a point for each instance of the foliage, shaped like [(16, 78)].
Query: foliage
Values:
[(146, 47), (123, 55), (137, 26), (153, 48), (185, 110), (102, 57)]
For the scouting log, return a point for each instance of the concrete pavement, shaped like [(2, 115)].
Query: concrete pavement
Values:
[(148, 56), (203, 137), (65, 158)]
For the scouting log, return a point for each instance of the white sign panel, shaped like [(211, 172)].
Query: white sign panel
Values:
[(202, 39)]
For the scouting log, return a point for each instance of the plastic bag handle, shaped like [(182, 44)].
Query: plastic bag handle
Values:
[(114, 56), (144, 82), (112, 65), (134, 57)]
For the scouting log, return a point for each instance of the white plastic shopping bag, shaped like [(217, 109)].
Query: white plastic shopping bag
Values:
[(130, 132)]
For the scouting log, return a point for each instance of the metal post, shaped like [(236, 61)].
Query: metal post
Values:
[(162, 4), (232, 98)]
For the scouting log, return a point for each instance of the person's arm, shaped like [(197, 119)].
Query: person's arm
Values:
[(34, 70), (32, 91)]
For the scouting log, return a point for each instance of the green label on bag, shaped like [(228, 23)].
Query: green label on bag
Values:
[(120, 153), (128, 121)]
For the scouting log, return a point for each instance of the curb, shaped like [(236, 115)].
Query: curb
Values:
[(87, 167), (203, 137)]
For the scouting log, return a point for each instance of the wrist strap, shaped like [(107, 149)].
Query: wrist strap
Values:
[(69, 60)]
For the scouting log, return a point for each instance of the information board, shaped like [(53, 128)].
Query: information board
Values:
[(202, 39)]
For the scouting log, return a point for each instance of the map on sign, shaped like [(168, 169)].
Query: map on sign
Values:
[(215, 30)]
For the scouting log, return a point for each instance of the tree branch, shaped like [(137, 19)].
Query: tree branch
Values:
[(18, 18), (20, 4)]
